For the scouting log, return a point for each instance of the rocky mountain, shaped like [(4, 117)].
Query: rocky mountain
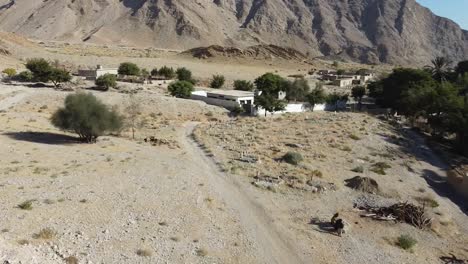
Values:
[(372, 31)]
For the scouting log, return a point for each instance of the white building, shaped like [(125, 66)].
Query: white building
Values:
[(343, 82), (229, 99), (98, 72)]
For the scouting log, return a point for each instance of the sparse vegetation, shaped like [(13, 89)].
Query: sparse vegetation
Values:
[(406, 242), (144, 253), (71, 260), (358, 169), (10, 72), (201, 252), (26, 205), (217, 81), (243, 85), (128, 68), (183, 74), (380, 167), (293, 158), (181, 89), (45, 234), (86, 116), (106, 81), (428, 201)]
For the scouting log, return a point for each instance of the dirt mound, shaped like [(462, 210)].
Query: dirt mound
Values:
[(256, 52), (363, 184)]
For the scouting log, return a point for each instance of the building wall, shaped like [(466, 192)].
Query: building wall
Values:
[(101, 72), (214, 101)]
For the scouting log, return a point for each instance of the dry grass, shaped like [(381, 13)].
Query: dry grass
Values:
[(201, 252), (144, 253), (71, 260), (45, 234)]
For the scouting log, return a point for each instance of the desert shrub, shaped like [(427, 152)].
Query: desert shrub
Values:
[(183, 74), (128, 68), (217, 81), (154, 72), (45, 233), (106, 81), (293, 158), (166, 72), (380, 167), (237, 111), (40, 69), (86, 116), (24, 76), (10, 72), (354, 137), (358, 169), (144, 253), (406, 242), (428, 201), (58, 76), (26, 205), (181, 89), (243, 85)]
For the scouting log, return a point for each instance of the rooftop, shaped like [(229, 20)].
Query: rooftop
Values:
[(234, 93)]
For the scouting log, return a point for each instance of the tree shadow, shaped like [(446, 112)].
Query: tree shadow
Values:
[(440, 185), (323, 226), (44, 138)]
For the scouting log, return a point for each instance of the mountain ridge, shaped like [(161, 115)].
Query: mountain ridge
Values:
[(369, 31)]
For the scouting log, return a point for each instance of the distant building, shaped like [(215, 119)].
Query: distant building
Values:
[(343, 82), (229, 99), (98, 72)]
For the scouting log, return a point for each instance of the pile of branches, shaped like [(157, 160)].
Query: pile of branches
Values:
[(399, 212)]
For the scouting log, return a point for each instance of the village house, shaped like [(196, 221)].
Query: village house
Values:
[(343, 82), (96, 73), (229, 99)]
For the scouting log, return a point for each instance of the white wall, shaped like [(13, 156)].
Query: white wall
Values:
[(213, 101)]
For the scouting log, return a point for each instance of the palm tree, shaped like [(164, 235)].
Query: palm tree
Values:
[(439, 68)]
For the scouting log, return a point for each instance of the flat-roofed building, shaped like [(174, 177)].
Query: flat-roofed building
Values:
[(96, 73)]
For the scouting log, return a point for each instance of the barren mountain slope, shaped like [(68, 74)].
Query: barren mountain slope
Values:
[(391, 31)]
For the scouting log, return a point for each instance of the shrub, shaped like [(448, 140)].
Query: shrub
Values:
[(24, 76), (86, 116), (10, 72), (128, 68), (40, 69), (181, 89), (106, 81), (243, 85), (427, 201), (293, 158), (166, 72), (45, 233), (237, 111), (406, 242), (217, 81), (144, 253), (358, 169), (183, 74), (154, 72), (57, 76), (380, 167), (26, 205)]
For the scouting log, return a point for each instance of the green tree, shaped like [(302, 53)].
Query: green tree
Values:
[(439, 68), (167, 72), (184, 74), (86, 116), (106, 81), (10, 72), (128, 68), (58, 76), (297, 90), (358, 92), (243, 85), (269, 86), (24, 76), (181, 89), (462, 67), (40, 69), (217, 81), (154, 72), (144, 73), (316, 96), (340, 72), (334, 98)]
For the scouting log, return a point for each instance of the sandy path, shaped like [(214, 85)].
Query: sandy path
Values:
[(11, 101), (273, 242)]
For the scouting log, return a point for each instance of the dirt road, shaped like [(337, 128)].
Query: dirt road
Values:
[(273, 241)]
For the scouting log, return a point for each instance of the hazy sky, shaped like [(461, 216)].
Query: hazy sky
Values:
[(457, 10)]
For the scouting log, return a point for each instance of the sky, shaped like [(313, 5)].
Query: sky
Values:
[(457, 10)]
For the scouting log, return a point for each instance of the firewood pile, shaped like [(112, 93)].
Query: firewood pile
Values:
[(399, 212)]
